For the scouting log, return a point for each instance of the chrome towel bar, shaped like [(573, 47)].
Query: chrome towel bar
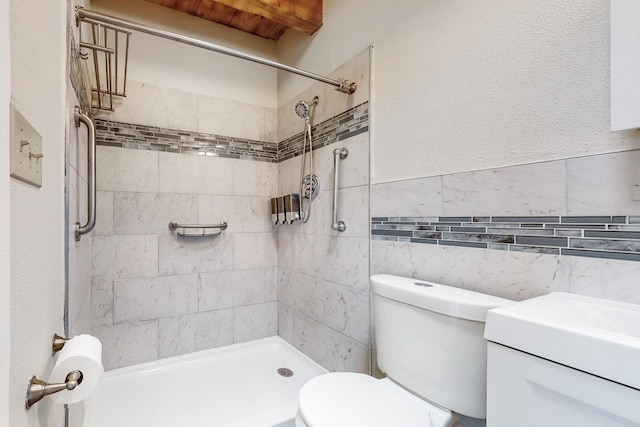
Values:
[(91, 178), (173, 226), (338, 153)]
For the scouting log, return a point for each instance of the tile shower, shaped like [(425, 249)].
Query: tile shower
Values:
[(157, 295), (154, 295)]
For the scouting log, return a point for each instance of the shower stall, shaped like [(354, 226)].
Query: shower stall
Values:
[(154, 294)]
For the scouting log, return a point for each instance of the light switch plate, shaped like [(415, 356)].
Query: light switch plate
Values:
[(26, 150)]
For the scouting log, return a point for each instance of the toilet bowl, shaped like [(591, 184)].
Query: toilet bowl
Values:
[(361, 400), (429, 344)]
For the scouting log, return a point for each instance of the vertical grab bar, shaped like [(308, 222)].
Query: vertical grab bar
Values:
[(91, 166), (338, 153)]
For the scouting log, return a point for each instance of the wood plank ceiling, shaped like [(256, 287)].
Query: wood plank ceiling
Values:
[(265, 18)]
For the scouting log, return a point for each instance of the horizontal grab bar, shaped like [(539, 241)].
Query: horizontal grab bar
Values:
[(173, 226)]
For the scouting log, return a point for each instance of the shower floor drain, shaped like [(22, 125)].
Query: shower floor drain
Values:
[(285, 372)]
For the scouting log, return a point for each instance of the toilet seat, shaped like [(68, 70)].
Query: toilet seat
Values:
[(350, 399)]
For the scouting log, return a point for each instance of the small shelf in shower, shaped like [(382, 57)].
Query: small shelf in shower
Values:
[(197, 230), (105, 50)]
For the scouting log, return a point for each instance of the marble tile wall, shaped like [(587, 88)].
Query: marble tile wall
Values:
[(156, 294), (323, 286), (156, 106), (332, 102), (592, 202)]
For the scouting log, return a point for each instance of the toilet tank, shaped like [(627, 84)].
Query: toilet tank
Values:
[(429, 339)]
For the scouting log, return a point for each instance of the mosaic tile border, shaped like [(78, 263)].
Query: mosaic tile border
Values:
[(338, 128), (611, 237), (129, 135), (140, 137)]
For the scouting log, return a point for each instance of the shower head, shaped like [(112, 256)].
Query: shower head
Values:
[(303, 108)]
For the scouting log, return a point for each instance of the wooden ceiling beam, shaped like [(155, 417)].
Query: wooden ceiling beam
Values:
[(302, 15), (265, 18)]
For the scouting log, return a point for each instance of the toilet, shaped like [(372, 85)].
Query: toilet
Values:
[(430, 345)]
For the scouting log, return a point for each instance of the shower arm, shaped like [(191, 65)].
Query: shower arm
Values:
[(341, 85)]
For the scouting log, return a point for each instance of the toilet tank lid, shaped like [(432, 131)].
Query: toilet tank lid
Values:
[(443, 299)]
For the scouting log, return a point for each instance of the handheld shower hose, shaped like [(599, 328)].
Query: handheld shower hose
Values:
[(308, 183)]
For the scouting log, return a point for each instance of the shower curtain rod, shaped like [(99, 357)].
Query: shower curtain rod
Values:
[(342, 85)]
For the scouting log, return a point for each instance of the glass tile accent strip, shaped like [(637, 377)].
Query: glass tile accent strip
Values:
[(609, 237)]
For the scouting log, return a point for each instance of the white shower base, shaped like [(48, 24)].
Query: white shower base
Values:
[(232, 386)]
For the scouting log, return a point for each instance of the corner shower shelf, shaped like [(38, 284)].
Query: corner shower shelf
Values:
[(205, 229), (107, 59)]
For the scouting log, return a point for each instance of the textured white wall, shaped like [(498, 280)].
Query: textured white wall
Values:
[(37, 215), (178, 66), (468, 84), (5, 95)]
